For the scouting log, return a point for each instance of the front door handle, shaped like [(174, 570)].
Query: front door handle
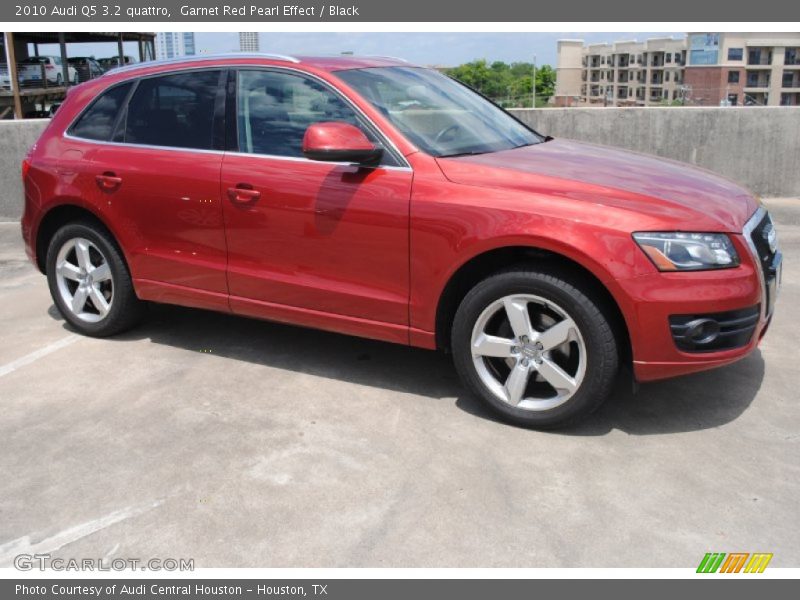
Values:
[(243, 193), (108, 181)]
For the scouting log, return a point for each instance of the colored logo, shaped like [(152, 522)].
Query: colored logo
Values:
[(735, 562)]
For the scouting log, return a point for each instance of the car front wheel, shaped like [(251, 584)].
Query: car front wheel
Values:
[(89, 281), (535, 348)]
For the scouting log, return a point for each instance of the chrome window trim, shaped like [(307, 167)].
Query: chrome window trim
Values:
[(385, 138), (747, 232), (308, 160)]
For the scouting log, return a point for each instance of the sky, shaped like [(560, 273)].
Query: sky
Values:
[(441, 49)]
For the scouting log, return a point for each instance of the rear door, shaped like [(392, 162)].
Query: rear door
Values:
[(159, 177)]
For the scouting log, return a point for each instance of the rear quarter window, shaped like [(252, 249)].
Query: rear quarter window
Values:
[(97, 121)]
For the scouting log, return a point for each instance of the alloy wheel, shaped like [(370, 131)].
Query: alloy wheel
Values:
[(84, 280), (528, 352)]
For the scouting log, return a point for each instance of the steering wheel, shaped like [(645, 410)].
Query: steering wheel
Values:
[(443, 133)]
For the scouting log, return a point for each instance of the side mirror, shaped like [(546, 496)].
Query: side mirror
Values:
[(339, 142)]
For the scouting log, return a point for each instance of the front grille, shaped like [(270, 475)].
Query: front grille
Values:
[(768, 257), (760, 236), (711, 332)]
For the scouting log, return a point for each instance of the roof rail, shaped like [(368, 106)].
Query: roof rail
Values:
[(201, 57), (397, 58)]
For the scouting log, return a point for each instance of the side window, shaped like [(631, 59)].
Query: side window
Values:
[(174, 110), (98, 120), (275, 109)]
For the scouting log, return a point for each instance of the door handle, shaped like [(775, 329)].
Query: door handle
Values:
[(243, 193), (108, 181)]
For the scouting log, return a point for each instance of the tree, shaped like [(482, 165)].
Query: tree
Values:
[(508, 85)]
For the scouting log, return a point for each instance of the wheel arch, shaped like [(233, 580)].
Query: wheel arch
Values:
[(487, 263), (59, 215)]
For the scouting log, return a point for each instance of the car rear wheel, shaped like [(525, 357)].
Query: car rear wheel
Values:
[(89, 281), (535, 348)]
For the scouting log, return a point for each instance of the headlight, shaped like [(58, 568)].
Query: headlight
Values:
[(678, 251)]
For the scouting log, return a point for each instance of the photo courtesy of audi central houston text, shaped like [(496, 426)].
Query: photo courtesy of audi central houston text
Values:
[(379, 198)]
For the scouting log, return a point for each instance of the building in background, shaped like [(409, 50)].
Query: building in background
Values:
[(744, 68), (703, 69), (175, 44), (248, 42), (625, 73)]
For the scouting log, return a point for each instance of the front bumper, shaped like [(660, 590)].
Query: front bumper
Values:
[(658, 296)]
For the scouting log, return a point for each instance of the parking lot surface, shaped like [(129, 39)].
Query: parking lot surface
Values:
[(244, 443)]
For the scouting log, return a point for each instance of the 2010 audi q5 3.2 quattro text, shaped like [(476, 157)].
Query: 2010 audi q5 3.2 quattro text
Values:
[(374, 198)]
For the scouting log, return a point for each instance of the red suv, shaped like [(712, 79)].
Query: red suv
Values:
[(375, 198)]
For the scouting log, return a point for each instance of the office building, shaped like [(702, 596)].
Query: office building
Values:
[(175, 44), (248, 42)]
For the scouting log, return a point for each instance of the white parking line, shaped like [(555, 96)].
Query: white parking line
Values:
[(36, 355), (27, 545)]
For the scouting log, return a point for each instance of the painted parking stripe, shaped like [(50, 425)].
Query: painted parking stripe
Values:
[(36, 355)]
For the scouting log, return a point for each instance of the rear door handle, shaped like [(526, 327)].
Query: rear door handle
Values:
[(243, 193), (108, 181)]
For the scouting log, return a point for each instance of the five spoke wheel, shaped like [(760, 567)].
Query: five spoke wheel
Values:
[(528, 352), (84, 280)]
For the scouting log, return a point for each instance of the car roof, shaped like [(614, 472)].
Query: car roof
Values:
[(324, 63)]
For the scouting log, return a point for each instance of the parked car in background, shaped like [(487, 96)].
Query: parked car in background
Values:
[(5, 78), (371, 197), (112, 62), (36, 69), (87, 67)]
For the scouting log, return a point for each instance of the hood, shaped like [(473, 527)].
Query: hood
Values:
[(679, 195)]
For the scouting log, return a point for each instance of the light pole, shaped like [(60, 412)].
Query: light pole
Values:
[(533, 81)]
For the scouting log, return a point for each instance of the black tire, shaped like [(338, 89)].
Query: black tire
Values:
[(126, 309), (602, 358)]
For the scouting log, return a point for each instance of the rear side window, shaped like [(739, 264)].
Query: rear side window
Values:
[(174, 110), (97, 122)]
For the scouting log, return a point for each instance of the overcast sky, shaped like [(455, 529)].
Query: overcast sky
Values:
[(447, 49)]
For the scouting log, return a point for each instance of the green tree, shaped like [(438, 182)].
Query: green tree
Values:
[(508, 85)]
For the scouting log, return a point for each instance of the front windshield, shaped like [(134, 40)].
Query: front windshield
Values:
[(437, 114)]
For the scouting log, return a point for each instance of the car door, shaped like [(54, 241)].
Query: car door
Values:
[(159, 177), (329, 240)]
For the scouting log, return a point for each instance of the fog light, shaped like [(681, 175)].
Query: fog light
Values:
[(702, 331)]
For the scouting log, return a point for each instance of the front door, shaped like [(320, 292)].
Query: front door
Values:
[(328, 241)]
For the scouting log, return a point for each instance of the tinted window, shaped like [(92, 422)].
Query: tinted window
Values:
[(174, 110), (735, 53), (98, 121), (275, 109)]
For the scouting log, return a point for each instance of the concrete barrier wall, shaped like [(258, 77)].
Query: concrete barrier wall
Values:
[(16, 137), (758, 147)]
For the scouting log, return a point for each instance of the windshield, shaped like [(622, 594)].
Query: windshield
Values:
[(436, 113)]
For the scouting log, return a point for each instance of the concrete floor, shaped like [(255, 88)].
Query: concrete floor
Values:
[(243, 443)]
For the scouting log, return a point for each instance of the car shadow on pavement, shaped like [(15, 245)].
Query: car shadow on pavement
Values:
[(689, 403)]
